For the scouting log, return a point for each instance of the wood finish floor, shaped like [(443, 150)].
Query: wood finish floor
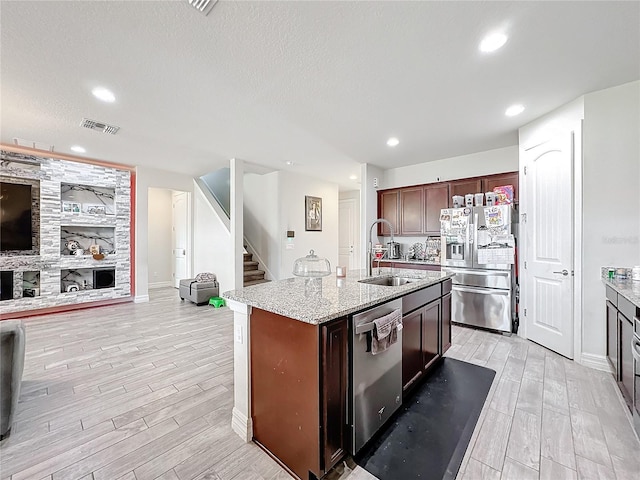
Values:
[(144, 391)]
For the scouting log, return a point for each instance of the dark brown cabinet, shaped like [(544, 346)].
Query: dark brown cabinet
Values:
[(389, 209), (412, 359), (431, 333), (334, 392), (446, 326), (436, 197), (463, 187), (299, 395), (412, 211), (625, 363), (426, 319), (489, 183), (612, 337)]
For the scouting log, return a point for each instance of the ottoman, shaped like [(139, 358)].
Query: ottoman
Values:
[(12, 343), (198, 292)]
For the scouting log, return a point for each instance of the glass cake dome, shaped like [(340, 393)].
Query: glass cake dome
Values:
[(311, 266)]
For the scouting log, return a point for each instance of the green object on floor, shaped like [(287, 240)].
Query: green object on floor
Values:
[(217, 302)]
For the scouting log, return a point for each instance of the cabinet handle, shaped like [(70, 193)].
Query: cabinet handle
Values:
[(635, 350)]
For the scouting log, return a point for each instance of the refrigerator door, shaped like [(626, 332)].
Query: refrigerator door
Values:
[(491, 220), (480, 278), (456, 234), (481, 307)]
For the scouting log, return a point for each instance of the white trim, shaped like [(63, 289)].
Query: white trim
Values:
[(160, 284), (242, 425), (598, 362), (577, 241), (141, 299)]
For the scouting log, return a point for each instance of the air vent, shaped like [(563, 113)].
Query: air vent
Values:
[(21, 142), (99, 126), (203, 6)]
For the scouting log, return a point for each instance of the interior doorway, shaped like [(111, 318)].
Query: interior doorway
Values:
[(349, 230), (169, 237)]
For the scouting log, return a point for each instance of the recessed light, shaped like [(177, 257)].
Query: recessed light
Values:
[(78, 149), (492, 42), (353, 177), (514, 110), (289, 162), (393, 141), (103, 94)]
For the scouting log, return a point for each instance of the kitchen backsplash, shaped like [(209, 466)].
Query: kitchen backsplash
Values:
[(423, 248), (620, 273)]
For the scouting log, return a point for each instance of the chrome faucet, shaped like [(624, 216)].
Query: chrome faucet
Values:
[(370, 255)]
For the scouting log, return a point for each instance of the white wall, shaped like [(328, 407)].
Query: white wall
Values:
[(274, 203), (476, 164), (611, 200), (147, 178), (211, 242), (368, 205), (159, 243)]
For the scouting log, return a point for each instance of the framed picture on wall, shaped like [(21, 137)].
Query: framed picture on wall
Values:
[(313, 214)]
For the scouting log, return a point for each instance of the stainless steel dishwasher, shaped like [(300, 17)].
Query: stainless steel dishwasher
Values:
[(376, 379)]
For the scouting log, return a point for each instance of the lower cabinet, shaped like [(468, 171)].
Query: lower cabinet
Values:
[(299, 375), (426, 332), (625, 363), (612, 337)]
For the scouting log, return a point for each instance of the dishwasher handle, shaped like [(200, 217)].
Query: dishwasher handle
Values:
[(369, 326)]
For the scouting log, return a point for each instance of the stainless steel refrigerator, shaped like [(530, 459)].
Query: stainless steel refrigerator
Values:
[(478, 246)]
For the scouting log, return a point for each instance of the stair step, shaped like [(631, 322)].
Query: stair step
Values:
[(247, 256), (250, 266), (254, 273), (255, 282)]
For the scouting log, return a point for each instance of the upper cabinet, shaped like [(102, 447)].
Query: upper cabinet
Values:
[(389, 209), (416, 210), (436, 197), (412, 211)]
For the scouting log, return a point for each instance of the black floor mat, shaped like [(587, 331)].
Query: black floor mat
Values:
[(429, 436)]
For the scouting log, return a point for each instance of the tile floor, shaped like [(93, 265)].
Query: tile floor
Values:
[(144, 391)]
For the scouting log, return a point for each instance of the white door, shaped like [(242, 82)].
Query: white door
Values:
[(180, 237), (348, 238), (548, 260)]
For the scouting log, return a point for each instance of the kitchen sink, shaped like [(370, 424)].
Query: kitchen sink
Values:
[(387, 281)]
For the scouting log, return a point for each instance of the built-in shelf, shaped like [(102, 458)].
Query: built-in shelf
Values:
[(87, 199), (86, 236), (80, 279)]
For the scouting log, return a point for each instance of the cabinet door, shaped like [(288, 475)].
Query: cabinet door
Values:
[(411, 210), (334, 394), (436, 198), (411, 347), (625, 361), (445, 324), (489, 183), (612, 338), (430, 333), (389, 209), (463, 187)]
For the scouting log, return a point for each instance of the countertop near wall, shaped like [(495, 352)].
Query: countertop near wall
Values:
[(629, 289)]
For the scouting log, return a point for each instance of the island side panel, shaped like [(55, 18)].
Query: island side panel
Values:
[(285, 390)]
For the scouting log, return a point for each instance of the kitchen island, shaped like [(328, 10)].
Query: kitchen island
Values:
[(292, 372)]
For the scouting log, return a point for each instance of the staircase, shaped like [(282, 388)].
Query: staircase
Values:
[(252, 276)]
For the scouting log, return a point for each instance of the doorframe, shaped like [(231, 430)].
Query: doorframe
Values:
[(356, 228), (575, 129), (189, 253)]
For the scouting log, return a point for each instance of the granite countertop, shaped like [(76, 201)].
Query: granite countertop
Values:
[(320, 300), (629, 289)]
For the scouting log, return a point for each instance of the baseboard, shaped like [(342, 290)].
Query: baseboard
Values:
[(141, 299), (242, 425), (598, 362), (160, 284)]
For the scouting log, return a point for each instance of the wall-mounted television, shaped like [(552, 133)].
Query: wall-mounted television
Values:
[(16, 231)]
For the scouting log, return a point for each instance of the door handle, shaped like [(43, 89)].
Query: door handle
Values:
[(563, 272)]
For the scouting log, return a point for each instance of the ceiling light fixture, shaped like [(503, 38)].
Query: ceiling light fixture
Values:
[(514, 110), (289, 162), (104, 94), (393, 142), (353, 177), (492, 42), (78, 149)]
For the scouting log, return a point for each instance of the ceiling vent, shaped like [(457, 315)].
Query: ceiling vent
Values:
[(99, 126), (21, 142), (203, 6)]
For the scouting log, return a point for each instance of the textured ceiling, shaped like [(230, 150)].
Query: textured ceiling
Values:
[(322, 84)]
